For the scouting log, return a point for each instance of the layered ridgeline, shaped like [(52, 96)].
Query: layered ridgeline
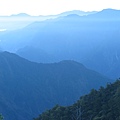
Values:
[(18, 21), (27, 88), (92, 40), (103, 104)]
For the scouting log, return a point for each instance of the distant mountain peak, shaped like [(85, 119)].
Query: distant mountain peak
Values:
[(73, 15), (77, 12), (110, 9), (110, 12), (20, 15)]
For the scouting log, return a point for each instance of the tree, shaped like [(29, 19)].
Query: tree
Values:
[(77, 113), (1, 117), (103, 104)]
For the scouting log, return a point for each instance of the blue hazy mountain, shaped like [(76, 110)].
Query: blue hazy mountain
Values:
[(35, 54), (77, 12), (92, 40), (20, 15), (28, 88), (18, 21), (109, 14)]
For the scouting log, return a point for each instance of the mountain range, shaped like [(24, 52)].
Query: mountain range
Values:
[(21, 20), (90, 39), (29, 88), (49, 60)]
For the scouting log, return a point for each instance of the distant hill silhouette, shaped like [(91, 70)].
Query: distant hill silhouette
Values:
[(35, 54), (28, 88), (77, 12), (109, 14), (92, 40), (20, 15), (21, 20)]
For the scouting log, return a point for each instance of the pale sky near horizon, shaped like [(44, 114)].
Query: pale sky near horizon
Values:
[(51, 7)]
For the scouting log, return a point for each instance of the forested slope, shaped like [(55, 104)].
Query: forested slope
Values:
[(102, 104)]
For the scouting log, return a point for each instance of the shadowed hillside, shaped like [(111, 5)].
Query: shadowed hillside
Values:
[(28, 88)]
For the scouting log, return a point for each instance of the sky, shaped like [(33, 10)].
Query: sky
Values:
[(52, 7)]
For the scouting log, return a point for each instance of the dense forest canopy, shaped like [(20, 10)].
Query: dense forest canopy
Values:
[(1, 117), (102, 104)]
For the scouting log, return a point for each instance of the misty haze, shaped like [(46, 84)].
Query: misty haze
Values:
[(60, 67)]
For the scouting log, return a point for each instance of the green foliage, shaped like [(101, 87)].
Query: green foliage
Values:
[(57, 113), (103, 104), (1, 117)]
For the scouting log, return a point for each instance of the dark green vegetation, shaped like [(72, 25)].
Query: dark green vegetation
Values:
[(27, 88), (1, 117), (102, 104)]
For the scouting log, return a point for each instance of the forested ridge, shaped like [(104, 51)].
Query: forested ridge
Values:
[(102, 104)]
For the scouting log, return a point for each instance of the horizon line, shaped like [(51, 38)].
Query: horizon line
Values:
[(27, 14)]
